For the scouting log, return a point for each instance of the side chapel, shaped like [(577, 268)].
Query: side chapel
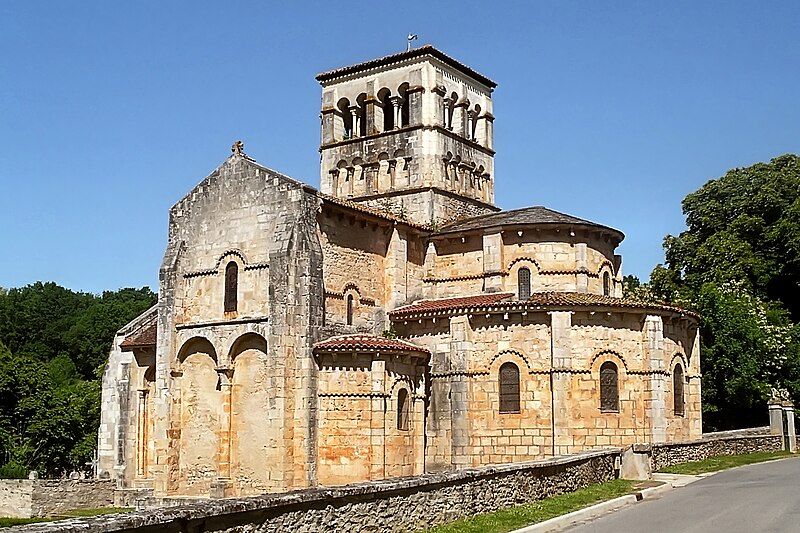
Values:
[(391, 323)]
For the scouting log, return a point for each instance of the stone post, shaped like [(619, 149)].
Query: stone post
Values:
[(396, 101), (781, 419)]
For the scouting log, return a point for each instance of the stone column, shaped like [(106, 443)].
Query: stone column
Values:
[(492, 261), (561, 379), (461, 350), (220, 488), (653, 348), (396, 101), (395, 271), (582, 267), (356, 121), (446, 122), (378, 400), (141, 434)]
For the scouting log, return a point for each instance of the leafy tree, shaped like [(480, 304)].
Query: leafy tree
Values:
[(744, 226), (738, 265), (53, 345)]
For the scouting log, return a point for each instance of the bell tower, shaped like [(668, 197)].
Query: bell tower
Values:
[(410, 134)]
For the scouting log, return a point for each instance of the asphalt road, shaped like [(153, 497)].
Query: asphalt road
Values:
[(760, 498)]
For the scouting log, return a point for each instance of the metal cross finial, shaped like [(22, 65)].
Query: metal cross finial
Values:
[(238, 148), (411, 37)]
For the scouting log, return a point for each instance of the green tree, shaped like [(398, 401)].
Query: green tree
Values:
[(738, 265), (53, 345)]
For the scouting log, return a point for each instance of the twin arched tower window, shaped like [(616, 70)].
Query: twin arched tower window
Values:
[(509, 388), (677, 390), (231, 287), (609, 387), (524, 283)]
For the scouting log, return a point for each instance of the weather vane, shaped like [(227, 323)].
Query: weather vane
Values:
[(411, 37)]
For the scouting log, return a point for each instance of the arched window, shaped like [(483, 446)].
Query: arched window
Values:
[(347, 118), (606, 284), (403, 409), (405, 106), (609, 387), (451, 107), (677, 390), (349, 309), (231, 286), (385, 98), (524, 283), (509, 388)]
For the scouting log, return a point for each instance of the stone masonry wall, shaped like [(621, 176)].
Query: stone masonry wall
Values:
[(405, 504), (711, 446), (24, 498)]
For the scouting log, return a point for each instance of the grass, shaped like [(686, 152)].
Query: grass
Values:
[(513, 518), (77, 513), (723, 462), (8, 522)]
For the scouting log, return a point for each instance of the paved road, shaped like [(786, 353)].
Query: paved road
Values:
[(760, 498)]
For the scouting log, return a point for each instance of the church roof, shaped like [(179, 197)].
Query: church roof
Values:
[(527, 216), (538, 300), (371, 211), (348, 343), (426, 50), (142, 338)]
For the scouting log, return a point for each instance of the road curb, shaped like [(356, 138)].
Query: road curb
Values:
[(560, 522)]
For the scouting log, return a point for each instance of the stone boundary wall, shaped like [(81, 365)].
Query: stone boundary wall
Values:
[(39, 498), (403, 504), (714, 444)]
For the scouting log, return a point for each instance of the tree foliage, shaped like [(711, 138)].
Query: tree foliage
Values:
[(53, 346), (738, 265)]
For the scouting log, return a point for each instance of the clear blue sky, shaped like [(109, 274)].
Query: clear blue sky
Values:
[(611, 111)]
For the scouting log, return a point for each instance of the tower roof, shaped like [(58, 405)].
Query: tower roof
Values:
[(422, 51)]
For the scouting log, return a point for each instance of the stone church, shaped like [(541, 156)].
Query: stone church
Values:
[(391, 323)]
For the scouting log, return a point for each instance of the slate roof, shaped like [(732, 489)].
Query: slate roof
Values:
[(143, 338), (427, 49), (503, 301), (527, 216), (347, 343)]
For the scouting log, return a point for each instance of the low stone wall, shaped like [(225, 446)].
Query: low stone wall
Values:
[(714, 444), (403, 504), (26, 498)]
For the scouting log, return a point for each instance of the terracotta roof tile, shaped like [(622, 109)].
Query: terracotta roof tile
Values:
[(453, 303), (367, 342), (537, 299), (408, 54), (142, 338)]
